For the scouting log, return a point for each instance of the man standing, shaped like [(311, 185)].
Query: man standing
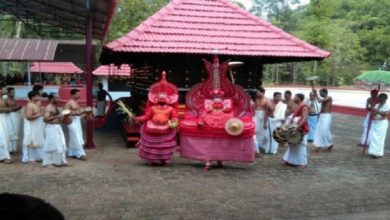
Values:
[(101, 100), (262, 109), (4, 143), (290, 104), (315, 109), (13, 120), (323, 135), (296, 155), (54, 149), (33, 139), (276, 116), (379, 127), (76, 139), (370, 103)]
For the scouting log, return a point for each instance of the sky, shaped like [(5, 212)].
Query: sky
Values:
[(248, 3)]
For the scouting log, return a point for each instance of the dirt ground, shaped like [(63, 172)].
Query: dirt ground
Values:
[(115, 184)]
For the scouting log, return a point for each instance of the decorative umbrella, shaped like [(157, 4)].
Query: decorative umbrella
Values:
[(374, 77)]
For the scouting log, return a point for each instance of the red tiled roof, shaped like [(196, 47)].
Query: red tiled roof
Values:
[(105, 70), (54, 67), (206, 26)]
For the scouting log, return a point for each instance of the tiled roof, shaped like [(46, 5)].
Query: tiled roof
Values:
[(212, 26), (106, 70), (54, 67)]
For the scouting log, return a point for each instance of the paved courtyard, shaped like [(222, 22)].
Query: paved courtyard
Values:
[(115, 184)]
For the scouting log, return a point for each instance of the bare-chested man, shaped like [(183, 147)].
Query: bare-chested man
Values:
[(33, 138), (288, 100), (13, 120), (76, 139), (323, 135), (262, 110), (4, 142), (54, 149), (370, 103)]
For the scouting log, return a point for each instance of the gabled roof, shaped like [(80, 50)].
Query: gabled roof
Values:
[(55, 67), (112, 70), (212, 26), (27, 49)]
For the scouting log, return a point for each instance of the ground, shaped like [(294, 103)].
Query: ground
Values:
[(115, 184)]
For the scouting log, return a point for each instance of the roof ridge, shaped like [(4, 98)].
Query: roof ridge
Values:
[(274, 28)]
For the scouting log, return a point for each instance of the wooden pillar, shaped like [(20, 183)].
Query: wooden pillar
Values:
[(88, 71)]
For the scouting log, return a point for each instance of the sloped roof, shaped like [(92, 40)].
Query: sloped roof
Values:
[(212, 26), (106, 70), (55, 67), (27, 49)]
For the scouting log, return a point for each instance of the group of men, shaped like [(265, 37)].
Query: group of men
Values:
[(43, 138), (312, 117)]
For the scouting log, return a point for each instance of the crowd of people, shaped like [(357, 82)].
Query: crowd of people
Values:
[(44, 79), (42, 137), (313, 118)]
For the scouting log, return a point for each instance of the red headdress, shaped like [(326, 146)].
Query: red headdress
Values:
[(163, 89)]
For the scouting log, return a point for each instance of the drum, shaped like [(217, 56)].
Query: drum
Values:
[(67, 119), (283, 134)]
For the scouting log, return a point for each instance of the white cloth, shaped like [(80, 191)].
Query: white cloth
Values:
[(76, 140), (297, 154), (323, 136), (100, 108), (12, 123), (315, 106), (271, 146), (365, 128), (4, 143), (378, 133), (33, 139), (260, 132), (54, 148)]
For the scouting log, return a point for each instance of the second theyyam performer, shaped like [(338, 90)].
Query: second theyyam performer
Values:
[(218, 124), (54, 148), (33, 138), (76, 139), (158, 130)]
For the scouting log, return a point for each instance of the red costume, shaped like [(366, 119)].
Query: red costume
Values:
[(158, 132), (209, 107)]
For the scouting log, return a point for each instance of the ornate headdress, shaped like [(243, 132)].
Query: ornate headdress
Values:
[(163, 89)]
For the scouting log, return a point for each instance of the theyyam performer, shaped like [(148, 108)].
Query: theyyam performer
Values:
[(76, 139), (13, 120), (218, 124), (158, 130), (33, 133), (379, 127), (54, 148)]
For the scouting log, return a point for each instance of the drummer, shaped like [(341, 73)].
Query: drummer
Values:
[(289, 101), (54, 148), (296, 155), (76, 139)]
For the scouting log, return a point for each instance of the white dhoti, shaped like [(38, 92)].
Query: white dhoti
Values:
[(33, 140), (260, 132), (365, 128), (323, 135), (297, 154), (76, 140), (271, 146), (100, 108), (378, 136), (12, 123), (54, 148), (4, 143)]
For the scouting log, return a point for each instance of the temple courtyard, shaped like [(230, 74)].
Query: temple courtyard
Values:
[(115, 184)]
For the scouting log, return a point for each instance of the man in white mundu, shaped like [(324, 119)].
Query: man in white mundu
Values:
[(76, 139), (13, 120), (54, 149), (276, 117), (323, 135), (370, 103), (296, 155), (33, 139), (4, 142), (262, 107), (379, 127)]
